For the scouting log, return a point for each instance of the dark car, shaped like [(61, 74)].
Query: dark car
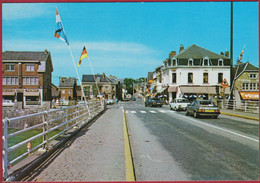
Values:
[(153, 102), (203, 108)]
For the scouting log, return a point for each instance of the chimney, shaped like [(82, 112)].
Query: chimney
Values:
[(226, 53), (181, 47), (172, 53), (45, 51), (104, 75), (222, 53)]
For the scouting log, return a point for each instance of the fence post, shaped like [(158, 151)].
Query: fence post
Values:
[(245, 106), (47, 129), (5, 155), (67, 114)]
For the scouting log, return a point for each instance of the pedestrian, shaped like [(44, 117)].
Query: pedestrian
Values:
[(29, 147)]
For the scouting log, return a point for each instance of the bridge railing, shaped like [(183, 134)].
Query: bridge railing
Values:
[(60, 120), (243, 105)]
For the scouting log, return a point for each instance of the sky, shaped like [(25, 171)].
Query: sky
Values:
[(128, 40)]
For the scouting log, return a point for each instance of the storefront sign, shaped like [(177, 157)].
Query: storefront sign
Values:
[(249, 95)]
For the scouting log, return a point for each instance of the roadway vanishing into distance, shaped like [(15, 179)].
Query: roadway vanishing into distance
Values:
[(165, 145), (168, 145)]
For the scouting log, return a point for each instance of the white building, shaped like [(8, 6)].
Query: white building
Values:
[(195, 71)]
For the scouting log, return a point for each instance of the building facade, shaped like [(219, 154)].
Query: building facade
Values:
[(195, 72), (246, 82), (67, 88), (26, 77), (98, 86)]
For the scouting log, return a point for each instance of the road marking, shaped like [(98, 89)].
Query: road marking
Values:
[(162, 111), (133, 111), (152, 112), (126, 111), (228, 131), (143, 111), (130, 176)]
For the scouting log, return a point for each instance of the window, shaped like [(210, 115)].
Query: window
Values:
[(205, 77), (206, 61), (252, 76), (30, 81), (9, 67), (30, 67), (245, 86), (174, 61), (220, 77), (174, 79), (190, 77), (98, 79), (10, 80), (69, 91), (63, 91), (190, 62), (169, 62), (220, 62)]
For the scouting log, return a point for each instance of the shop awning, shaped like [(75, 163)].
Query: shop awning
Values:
[(249, 95), (202, 89), (173, 89), (31, 93), (8, 93), (161, 90)]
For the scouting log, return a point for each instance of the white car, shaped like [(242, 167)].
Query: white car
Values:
[(7, 103), (110, 101), (179, 104)]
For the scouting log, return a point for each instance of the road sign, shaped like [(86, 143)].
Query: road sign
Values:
[(224, 83)]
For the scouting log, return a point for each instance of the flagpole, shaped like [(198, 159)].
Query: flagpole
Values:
[(72, 59), (93, 72)]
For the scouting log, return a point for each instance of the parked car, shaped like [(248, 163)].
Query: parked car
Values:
[(179, 104), (153, 102), (110, 101), (203, 108), (7, 103)]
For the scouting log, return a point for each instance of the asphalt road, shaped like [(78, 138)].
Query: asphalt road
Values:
[(168, 145)]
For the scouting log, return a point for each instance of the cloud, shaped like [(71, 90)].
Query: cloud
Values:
[(13, 11)]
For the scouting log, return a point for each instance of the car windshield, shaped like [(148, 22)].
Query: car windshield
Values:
[(207, 103), (183, 101)]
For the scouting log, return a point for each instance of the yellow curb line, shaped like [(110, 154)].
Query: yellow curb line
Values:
[(236, 115), (128, 155)]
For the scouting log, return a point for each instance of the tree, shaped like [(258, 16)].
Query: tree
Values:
[(129, 85)]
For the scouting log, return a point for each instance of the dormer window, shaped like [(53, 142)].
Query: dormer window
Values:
[(169, 62), (206, 61), (220, 62), (98, 79), (190, 62), (174, 62)]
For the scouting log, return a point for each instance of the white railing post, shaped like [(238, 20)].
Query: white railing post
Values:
[(5, 150), (67, 124), (47, 129)]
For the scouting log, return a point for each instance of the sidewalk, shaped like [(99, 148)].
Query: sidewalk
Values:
[(240, 114), (96, 154)]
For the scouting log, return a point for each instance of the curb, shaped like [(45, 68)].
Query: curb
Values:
[(130, 175), (240, 116)]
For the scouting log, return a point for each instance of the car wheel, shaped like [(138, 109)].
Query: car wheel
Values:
[(170, 107), (195, 114), (145, 105), (187, 113), (175, 109)]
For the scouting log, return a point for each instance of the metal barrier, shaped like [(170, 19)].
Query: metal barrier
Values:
[(247, 106), (63, 119)]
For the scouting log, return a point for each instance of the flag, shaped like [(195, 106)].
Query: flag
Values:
[(59, 31), (84, 54), (241, 55)]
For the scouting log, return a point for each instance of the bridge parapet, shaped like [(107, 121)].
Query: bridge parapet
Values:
[(49, 125)]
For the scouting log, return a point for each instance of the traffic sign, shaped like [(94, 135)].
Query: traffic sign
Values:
[(224, 83)]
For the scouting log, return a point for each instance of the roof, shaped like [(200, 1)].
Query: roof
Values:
[(67, 82), (90, 78), (195, 51), (28, 56), (243, 67), (25, 55)]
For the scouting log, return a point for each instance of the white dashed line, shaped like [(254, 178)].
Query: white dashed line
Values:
[(152, 112), (143, 112), (133, 111), (162, 111)]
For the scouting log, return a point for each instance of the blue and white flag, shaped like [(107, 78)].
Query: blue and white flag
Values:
[(59, 31)]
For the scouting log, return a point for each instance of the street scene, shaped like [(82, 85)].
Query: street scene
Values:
[(141, 91)]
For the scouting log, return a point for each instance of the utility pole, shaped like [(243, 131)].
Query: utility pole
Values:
[(231, 52)]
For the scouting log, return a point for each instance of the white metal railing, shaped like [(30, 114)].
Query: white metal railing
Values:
[(247, 106), (63, 120)]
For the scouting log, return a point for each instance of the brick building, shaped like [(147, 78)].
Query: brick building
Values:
[(67, 88), (26, 77)]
